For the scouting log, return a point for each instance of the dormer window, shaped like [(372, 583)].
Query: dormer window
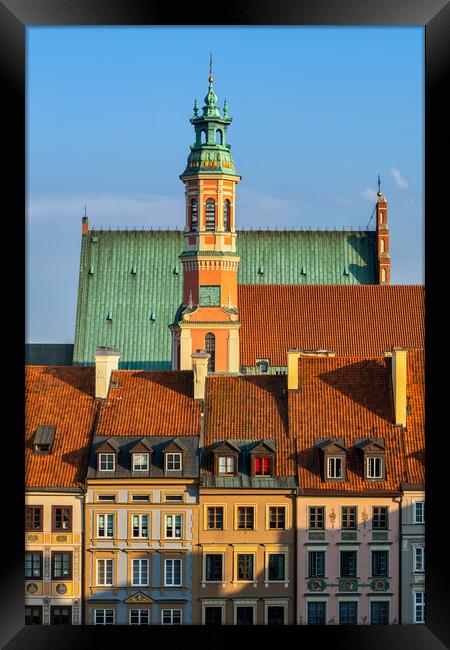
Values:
[(374, 461), (334, 467), (43, 439), (262, 458), (226, 454), (140, 462), (174, 462), (263, 466), (333, 459), (375, 467), (106, 462), (226, 465)]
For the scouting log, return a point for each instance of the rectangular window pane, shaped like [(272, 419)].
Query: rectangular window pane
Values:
[(348, 517), (419, 607), (213, 616), (33, 518), (173, 573), (380, 517), (277, 517), (33, 565), (348, 613), (275, 615), (276, 568), (348, 564), (213, 567), (245, 517), (244, 615), (103, 616), (215, 518), (171, 616), (379, 613), (419, 512), (316, 517), (245, 566), (316, 613), (316, 564), (379, 564)]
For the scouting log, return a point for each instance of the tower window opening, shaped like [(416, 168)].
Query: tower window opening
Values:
[(203, 137), (226, 215), (194, 215), (219, 137), (210, 214), (210, 346), (382, 245)]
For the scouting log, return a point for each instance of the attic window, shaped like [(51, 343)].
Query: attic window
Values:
[(334, 467), (261, 270), (173, 462), (43, 439), (107, 462), (374, 459), (133, 270), (152, 316), (375, 467), (333, 455), (109, 316), (263, 466), (140, 462), (226, 465)]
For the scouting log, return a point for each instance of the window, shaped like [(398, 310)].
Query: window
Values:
[(276, 569), (171, 617), (348, 613), (105, 573), (263, 366), (316, 564), (103, 617), (62, 519), (275, 615), (43, 439), (194, 215), (226, 215), (33, 565), (210, 215), (334, 467), (61, 615), (109, 498), (375, 467), (215, 517), (348, 517), (316, 613), (213, 615), (140, 462), (139, 617), (419, 512), (348, 564), (172, 573), (33, 518), (213, 567), (141, 498), (219, 136), (106, 462), (62, 565), (277, 517), (140, 573), (173, 498), (33, 615), (379, 612), (316, 517), (173, 462), (209, 296), (174, 526), (380, 564), (245, 517), (245, 566), (263, 466), (105, 525), (226, 465), (210, 347), (140, 526), (419, 607), (380, 517), (244, 615), (419, 559)]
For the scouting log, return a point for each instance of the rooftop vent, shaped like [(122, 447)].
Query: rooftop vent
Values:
[(43, 439)]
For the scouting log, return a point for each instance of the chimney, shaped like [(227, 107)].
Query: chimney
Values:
[(200, 366), (293, 357), (399, 357), (106, 360)]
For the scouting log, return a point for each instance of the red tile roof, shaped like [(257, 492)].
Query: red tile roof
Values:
[(351, 398), (250, 408), (364, 320), (415, 437), (150, 403), (62, 397)]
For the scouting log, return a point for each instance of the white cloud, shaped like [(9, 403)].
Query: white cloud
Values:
[(400, 181), (369, 193)]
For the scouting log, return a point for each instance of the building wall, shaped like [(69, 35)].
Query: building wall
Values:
[(413, 536), (260, 592), (333, 540), (47, 593), (122, 548)]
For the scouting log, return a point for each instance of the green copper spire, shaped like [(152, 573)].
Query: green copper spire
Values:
[(210, 152)]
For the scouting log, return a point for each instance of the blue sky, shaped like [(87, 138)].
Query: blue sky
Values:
[(317, 113)]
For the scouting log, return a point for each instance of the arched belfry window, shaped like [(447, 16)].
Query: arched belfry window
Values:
[(219, 137), (382, 245), (203, 137), (210, 346), (194, 214), (210, 214), (227, 215)]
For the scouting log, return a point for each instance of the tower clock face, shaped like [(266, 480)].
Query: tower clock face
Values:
[(209, 296)]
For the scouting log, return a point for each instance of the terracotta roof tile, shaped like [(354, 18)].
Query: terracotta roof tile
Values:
[(150, 403), (350, 320), (62, 397), (415, 435)]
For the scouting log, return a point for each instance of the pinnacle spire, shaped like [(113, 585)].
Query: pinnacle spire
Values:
[(211, 78)]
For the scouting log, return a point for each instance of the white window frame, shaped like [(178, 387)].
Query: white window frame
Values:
[(373, 474), (229, 460), (171, 610), (141, 562), (147, 465), (140, 517), (422, 520), (105, 514), (420, 548), (172, 455), (104, 616), (103, 455), (173, 528), (421, 605), (332, 465), (166, 564), (105, 584), (140, 610)]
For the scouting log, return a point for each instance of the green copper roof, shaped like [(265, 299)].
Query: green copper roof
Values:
[(130, 283)]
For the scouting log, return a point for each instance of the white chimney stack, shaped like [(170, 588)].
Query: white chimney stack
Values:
[(106, 360), (200, 367)]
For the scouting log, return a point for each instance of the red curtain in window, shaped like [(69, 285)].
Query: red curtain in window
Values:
[(262, 466)]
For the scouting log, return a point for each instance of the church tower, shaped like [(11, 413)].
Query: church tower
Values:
[(208, 318)]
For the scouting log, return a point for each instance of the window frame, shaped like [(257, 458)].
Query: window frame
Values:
[(277, 507), (386, 509), (323, 509), (416, 605), (220, 554), (379, 602), (285, 566), (174, 526), (140, 469), (373, 553), (355, 510), (62, 606), (105, 560), (53, 557), (99, 461), (422, 520), (34, 509), (30, 615), (214, 507), (172, 610), (166, 560), (237, 514), (374, 476), (251, 554), (139, 609), (140, 516), (421, 548), (262, 459), (62, 530), (104, 610), (354, 603), (172, 454), (97, 528), (141, 561), (40, 554), (333, 460), (311, 603), (226, 458), (341, 562), (323, 554)]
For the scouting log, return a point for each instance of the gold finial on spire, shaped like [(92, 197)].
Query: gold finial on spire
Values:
[(211, 79)]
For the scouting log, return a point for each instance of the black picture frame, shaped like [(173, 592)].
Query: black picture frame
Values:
[(15, 16)]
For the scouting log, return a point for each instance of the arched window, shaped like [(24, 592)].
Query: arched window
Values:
[(194, 214), (203, 137), (383, 275), (226, 215), (382, 245), (210, 346), (219, 136), (210, 214)]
